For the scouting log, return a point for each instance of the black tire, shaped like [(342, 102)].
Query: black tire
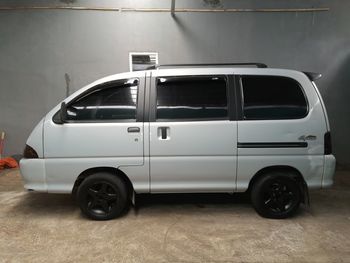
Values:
[(276, 195), (102, 196)]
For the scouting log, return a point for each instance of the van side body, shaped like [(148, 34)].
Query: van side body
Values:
[(223, 150)]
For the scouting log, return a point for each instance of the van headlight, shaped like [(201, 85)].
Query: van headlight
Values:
[(30, 153)]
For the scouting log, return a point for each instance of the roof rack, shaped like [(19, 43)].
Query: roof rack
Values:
[(258, 65)]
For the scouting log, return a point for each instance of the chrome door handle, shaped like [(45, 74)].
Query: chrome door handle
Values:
[(163, 133), (133, 129), (308, 137)]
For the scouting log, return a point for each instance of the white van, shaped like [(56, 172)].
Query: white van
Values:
[(185, 129)]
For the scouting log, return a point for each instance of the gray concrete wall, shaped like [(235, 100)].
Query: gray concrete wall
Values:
[(37, 48)]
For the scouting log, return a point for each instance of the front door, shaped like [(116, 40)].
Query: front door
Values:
[(103, 129), (193, 137)]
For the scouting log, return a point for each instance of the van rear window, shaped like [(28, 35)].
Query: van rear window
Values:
[(272, 98)]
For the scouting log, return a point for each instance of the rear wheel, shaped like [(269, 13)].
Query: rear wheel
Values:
[(102, 196), (276, 195)]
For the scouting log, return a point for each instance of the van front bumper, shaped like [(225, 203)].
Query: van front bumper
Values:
[(33, 174), (328, 171)]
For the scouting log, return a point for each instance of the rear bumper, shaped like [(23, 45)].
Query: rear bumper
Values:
[(33, 174), (328, 171)]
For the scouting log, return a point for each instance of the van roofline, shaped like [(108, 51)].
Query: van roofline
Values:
[(310, 75)]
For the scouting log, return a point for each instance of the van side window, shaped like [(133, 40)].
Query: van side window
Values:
[(111, 101), (272, 98), (195, 97)]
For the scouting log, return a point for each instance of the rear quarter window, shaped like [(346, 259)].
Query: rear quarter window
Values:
[(272, 98)]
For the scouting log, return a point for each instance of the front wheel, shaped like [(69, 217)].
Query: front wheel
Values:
[(102, 196), (276, 195)]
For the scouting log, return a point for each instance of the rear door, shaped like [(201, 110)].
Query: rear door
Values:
[(282, 124), (193, 134)]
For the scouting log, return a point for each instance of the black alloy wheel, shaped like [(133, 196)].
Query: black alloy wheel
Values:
[(276, 195), (102, 196)]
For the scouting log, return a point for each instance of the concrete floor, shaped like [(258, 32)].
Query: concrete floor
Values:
[(38, 227)]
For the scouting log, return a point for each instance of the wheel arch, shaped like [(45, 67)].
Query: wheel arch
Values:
[(112, 170), (297, 175)]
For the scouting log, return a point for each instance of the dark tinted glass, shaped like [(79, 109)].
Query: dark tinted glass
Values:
[(272, 97), (112, 101), (191, 98)]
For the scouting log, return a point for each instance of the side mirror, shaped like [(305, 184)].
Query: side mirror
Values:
[(63, 112)]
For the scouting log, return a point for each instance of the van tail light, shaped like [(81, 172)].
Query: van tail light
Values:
[(30, 153), (327, 143)]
